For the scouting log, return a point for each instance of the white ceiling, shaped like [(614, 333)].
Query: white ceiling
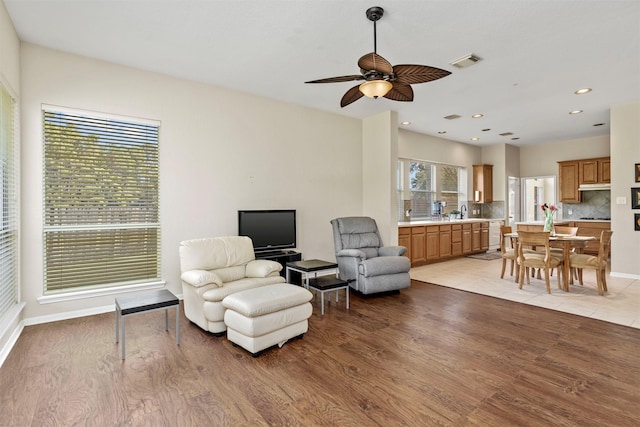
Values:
[(535, 54)]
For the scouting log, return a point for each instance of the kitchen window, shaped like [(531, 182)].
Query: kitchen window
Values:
[(101, 206), (428, 188)]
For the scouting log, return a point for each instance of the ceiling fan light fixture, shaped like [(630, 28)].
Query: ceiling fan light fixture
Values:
[(375, 88)]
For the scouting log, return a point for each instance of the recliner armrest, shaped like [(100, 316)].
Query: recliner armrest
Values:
[(392, 251), (351, 253), (262, 268), (200, 278)]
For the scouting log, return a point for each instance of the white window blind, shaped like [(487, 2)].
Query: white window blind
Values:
[(101, 209), (8, 204)]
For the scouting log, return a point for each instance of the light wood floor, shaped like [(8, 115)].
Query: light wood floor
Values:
[(430, 355)]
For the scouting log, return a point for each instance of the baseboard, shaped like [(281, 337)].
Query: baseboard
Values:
[(624, 275)]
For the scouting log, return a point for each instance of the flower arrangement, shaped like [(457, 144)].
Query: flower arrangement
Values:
[(549, 212)]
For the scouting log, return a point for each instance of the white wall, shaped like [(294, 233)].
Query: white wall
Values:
[(220, 151), (625, 153)]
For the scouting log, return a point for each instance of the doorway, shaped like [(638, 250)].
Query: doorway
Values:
[(536, 191)]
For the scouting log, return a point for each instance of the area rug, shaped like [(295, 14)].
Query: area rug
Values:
[(487, 256)]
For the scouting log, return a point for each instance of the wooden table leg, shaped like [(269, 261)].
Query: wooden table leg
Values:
[(566, 267)]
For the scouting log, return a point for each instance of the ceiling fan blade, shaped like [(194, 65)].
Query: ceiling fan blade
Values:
[(373, 61), (412, 74), (400, 92), (338, 79), (351, 95)]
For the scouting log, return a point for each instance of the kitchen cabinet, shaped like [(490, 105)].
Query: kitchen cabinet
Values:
[(475, 237), (466, 239), (444, 241), (573, 173), (404, 239), (484, 236), (418, 244), (437, 242), (483, 183), (456, 240), (594, 171), (568, 181), (433, 243)]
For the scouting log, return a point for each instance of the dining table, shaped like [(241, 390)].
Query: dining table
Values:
[(566, 242)]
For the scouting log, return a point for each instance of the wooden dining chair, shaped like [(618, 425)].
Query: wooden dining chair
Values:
[(540, 259), (558, 251), (509, 251), (597, 263)]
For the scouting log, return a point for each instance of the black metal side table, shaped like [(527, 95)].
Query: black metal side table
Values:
[(143, 303)]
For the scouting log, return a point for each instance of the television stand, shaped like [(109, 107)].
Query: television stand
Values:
[(280, 256)]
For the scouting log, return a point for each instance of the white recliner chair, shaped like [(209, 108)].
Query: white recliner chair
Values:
[(212, 268)]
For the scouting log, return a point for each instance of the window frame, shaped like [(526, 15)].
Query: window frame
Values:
[(404, 191), (117, 143)]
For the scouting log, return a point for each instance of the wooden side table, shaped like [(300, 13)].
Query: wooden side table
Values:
[(143, 303)]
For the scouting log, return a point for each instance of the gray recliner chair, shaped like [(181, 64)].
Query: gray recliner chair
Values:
[(368, 266)]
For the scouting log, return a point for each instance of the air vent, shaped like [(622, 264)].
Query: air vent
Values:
[(506, 134), (452, 117), (465, 61)]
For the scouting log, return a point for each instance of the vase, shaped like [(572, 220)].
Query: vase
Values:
[(548, 225)]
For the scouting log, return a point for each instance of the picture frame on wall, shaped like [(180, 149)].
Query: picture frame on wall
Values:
[(637, 172), (637, 222), (635, 198)]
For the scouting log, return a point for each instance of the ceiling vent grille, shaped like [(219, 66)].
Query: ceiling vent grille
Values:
[(506, 134), (452, 117), (465, 61)]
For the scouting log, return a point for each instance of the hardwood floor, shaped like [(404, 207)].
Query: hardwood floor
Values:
[(430, 355)]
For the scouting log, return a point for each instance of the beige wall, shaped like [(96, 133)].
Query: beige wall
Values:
[(10, 78), (379, 168), (542, 160), (220, 151), (412, 145), (625, 153), (496, 155)]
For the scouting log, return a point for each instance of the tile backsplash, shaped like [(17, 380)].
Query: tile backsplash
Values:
[(595, 204)]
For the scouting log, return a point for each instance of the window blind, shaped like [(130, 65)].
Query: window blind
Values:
[(8, 204), (101, 207)]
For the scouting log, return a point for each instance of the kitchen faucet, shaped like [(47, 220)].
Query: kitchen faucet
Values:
[(463, 210)]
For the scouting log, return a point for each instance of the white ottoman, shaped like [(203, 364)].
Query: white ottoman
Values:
[(262, 317)]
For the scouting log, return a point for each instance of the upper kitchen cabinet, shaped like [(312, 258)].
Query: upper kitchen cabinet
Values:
[(595, 171), (483, 183), (568, 181), (586, 172)]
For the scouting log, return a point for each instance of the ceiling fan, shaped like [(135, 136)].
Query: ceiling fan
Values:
[(381, 78)]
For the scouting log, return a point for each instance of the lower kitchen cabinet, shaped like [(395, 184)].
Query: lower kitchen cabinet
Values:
[(433, 243)]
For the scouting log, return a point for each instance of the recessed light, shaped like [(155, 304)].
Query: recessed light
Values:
[(452, 117), (486, 130), (405, 123), (575, 112), (583, 90), (442, 132), (475, 138), (599, 124), (477, 116), (515, 139)]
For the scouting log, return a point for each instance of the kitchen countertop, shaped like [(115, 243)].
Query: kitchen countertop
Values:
[(446, 221)]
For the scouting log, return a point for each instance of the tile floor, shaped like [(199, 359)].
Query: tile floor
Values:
[(621, 305)]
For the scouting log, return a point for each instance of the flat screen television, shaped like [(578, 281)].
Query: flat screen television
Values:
[(268, 229)]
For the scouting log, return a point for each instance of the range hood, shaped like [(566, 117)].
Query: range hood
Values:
[(594, 187)]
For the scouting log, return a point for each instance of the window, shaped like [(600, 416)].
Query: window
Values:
[(101, 209), (428, 183), (8, 204)]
